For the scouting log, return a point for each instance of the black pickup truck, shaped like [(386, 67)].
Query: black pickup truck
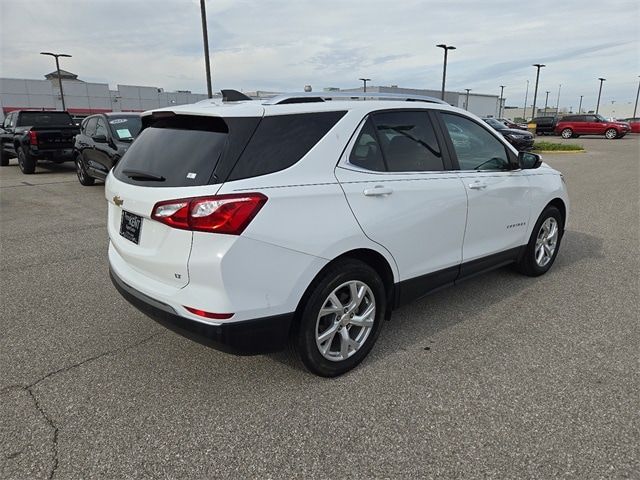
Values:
[(33, 135)]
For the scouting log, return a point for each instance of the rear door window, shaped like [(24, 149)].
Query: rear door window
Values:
[(280, 141), (90, 126), (408, 141)]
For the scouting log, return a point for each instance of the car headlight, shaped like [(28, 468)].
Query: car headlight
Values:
[(516, 137)]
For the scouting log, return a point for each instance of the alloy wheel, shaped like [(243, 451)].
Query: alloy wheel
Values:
[(566, 133), (546, 241), (611, 134), (345, 320)]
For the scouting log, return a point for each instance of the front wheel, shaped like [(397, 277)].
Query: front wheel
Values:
[(543, 246), (611, 133), (566, 133), (83, 176), (341, 318), (26, 162)]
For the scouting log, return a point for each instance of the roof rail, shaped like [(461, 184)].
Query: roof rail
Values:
[(309, 97)]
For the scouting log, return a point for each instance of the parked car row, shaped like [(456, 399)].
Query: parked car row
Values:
[(95, 145), (572, 126)]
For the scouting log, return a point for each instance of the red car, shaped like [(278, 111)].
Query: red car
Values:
[(576, 125), (634, 123)]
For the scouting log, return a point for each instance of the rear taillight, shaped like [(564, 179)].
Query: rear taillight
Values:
[(33, 138), (228, 214)]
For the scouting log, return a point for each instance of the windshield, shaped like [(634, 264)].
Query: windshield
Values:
[(125, 128), (39, 119), (600, 118), (495, 123)]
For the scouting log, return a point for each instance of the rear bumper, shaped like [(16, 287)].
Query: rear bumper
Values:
[(247, 337), (54, 153)]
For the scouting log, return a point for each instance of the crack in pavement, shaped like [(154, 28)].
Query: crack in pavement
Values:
[(43, 413)]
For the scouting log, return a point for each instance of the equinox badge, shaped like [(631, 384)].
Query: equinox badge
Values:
[(118, 201)]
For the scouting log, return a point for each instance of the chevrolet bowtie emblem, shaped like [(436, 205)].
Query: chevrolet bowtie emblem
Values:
[(118, 201)]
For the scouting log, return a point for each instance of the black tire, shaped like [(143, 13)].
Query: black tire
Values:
[(81, 171), (528, 264), (26, 162), (304, 334), (4, 158), (566, 133)]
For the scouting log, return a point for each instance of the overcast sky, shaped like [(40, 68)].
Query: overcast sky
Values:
[(285, 44)]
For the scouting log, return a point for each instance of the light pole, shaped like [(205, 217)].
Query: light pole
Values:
[(580, 106), (535, 91), (56, 56), (365, 80), (546, 101), (599, 92), (205, 39), (526, 95), (558, 101), (446, 49), (466, 105), (501, 100), (635, 109)]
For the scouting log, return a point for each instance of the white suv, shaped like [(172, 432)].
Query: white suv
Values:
[(249, 224)]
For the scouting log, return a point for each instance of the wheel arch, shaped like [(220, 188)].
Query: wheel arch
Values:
[(368, 256), (560, 205)]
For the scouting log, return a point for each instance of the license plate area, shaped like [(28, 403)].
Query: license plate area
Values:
[(130, 226)]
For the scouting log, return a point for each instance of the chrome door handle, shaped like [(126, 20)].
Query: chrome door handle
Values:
[(477, 185), (378, 191)]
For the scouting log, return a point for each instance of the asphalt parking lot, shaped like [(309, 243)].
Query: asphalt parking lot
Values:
[(502, 377)]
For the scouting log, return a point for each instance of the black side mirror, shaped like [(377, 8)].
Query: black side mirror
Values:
[(100, 138), (529, 160)]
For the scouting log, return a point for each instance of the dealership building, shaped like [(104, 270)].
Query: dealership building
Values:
[(85, 98)]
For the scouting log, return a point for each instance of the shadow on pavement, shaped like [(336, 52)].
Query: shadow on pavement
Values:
[(412, 326)]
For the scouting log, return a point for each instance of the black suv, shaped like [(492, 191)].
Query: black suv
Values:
[(103, 140), (545, 125), (520, 139)]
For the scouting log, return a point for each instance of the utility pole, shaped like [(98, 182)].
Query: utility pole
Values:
[(546, 101), (205, 39), (558, 102), (365, 80), (635, 109), (446, 49), (56, 56), (535, 92), (501, 100), (466, 105), (526, 95), (580, 106), (599, 93)]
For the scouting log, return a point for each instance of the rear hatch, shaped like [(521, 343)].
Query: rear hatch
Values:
[(50, 138), (54, 130), (174, 157)]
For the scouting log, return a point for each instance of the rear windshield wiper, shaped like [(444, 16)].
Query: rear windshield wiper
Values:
[(140, 175)]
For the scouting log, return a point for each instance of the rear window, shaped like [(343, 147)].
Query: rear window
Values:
[(182, 150), (40, 119), (282, 140)]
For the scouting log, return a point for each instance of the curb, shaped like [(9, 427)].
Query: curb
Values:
[(558, 151)]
